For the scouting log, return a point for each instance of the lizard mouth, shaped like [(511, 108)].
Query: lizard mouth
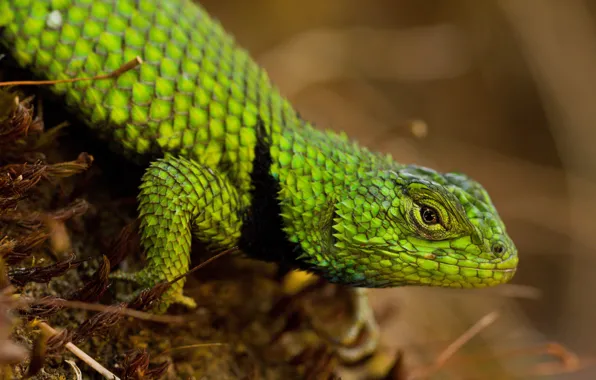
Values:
[(415, 254), (501, 270), (491, 269)]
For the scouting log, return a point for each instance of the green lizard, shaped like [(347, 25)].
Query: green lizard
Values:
[(235, 165)]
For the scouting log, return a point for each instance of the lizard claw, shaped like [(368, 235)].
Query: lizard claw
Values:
[(183, 300)]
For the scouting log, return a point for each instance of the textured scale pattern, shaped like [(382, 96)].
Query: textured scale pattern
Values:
[(239, 158), (171, 203)]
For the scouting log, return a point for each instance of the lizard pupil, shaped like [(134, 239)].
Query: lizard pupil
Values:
[(429, 215)]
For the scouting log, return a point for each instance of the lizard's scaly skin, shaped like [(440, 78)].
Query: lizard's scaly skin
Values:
[(241, 167)]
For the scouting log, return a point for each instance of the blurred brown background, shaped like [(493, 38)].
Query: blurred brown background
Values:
[(504, 90)]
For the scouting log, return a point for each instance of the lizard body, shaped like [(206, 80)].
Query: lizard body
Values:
[(235, 165)]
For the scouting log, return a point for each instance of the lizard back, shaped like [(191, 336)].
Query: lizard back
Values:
[(196, 95)]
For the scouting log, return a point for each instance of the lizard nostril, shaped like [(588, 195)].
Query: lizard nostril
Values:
[(498, 249)]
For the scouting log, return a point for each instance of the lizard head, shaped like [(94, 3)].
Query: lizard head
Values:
[(415, 226)]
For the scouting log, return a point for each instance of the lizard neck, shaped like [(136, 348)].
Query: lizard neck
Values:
[(263, 236), (298, 175)]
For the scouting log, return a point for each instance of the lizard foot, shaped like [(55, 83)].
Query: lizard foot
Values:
[(362, 338), (174, 295)]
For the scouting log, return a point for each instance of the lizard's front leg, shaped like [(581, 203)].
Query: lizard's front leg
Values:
[(179, 199)]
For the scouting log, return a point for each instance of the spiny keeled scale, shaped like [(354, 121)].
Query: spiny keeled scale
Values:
[(197, 95)]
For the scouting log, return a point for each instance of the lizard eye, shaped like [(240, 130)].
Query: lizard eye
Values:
[(498, 249), (429, 215)]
